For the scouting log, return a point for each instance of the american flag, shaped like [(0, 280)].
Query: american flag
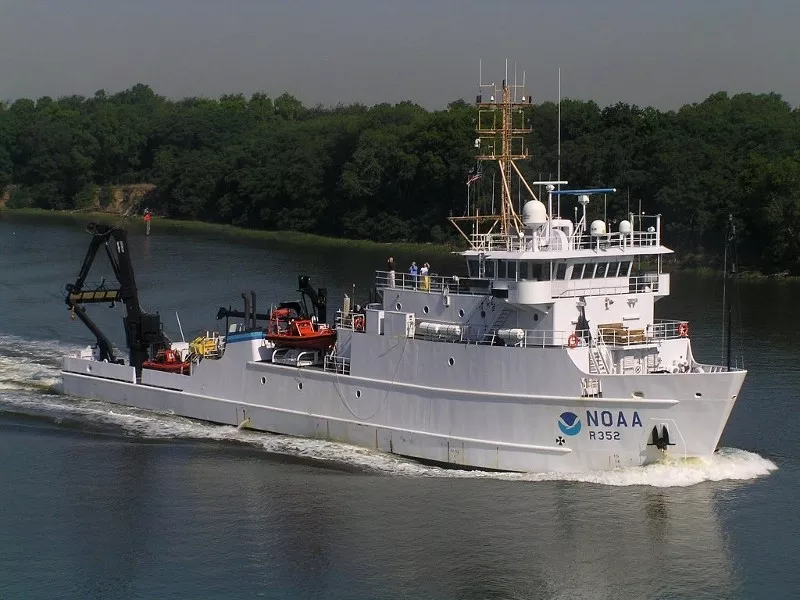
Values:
[(474, 178)]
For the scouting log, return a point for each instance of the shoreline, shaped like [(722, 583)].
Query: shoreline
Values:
[(231, 232), (245, 235)]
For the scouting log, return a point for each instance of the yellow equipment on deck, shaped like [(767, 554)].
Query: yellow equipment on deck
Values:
[(206, 346)]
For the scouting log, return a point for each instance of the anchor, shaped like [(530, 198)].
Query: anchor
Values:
[(660, 441)]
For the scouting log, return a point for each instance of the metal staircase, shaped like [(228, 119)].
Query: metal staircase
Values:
[(597, 361), (491, 333), (502, 318)]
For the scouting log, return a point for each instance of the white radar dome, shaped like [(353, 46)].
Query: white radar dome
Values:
[(625, 227), (534, 213), (598, 227)]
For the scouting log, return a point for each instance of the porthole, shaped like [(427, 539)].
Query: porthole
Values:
[(263, 380), (698, 395), (451, 361), (483, 314), (425, 309), (535, 317), (300, 386), (460, 312), (358, 393), (399, 306)]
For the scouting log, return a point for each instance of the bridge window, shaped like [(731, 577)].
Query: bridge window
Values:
[(588, 271), (561, 271), (601, 270), (489, 269), (577, 271), (523, 269), (539, 271), (472, 267), (511, 269), (625, 268)]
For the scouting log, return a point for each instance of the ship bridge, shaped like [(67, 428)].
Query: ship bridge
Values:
[(546, 270)]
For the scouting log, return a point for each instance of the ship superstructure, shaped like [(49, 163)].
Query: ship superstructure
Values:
[(546, 356)]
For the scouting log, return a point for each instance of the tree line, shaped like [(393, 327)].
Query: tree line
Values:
[(396, 172)]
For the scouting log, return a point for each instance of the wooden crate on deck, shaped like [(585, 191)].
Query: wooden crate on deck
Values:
[(618, 334)]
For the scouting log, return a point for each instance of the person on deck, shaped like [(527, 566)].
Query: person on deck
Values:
[(390, 269), (413, 272), (426, 280)]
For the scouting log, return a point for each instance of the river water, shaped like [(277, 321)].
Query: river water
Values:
[(99, 501)]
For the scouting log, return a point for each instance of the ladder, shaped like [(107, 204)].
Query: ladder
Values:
[(502, 318), (490, 335), (597, 364)]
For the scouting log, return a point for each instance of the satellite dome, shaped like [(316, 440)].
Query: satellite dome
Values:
[(534, 213), (598, 227), (625, 227)]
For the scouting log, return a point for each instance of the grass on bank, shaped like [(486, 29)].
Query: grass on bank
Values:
[(228, 232)]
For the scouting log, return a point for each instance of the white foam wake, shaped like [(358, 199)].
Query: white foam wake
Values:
[(726, 464), (30, 365)]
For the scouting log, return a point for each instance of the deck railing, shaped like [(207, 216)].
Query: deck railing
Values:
[(637, 284), (425, 283), (513, 243), (664, 329), (352, 320), (616, 334), (610, 334), (516, 337), (534, 338), (337, 364)]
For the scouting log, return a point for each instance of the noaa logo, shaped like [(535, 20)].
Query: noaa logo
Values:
[(569, 423)]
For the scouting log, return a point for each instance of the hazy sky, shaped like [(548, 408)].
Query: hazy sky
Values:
[(649, 52)]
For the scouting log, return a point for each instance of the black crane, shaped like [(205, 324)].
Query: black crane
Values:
[(318, 298), (144, 333)]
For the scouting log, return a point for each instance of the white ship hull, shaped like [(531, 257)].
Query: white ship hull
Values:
[(455, 422)]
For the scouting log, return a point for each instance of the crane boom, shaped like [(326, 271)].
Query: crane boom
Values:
[(144, 333)]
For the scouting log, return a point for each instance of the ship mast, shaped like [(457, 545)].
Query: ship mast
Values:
[(500, 129)]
